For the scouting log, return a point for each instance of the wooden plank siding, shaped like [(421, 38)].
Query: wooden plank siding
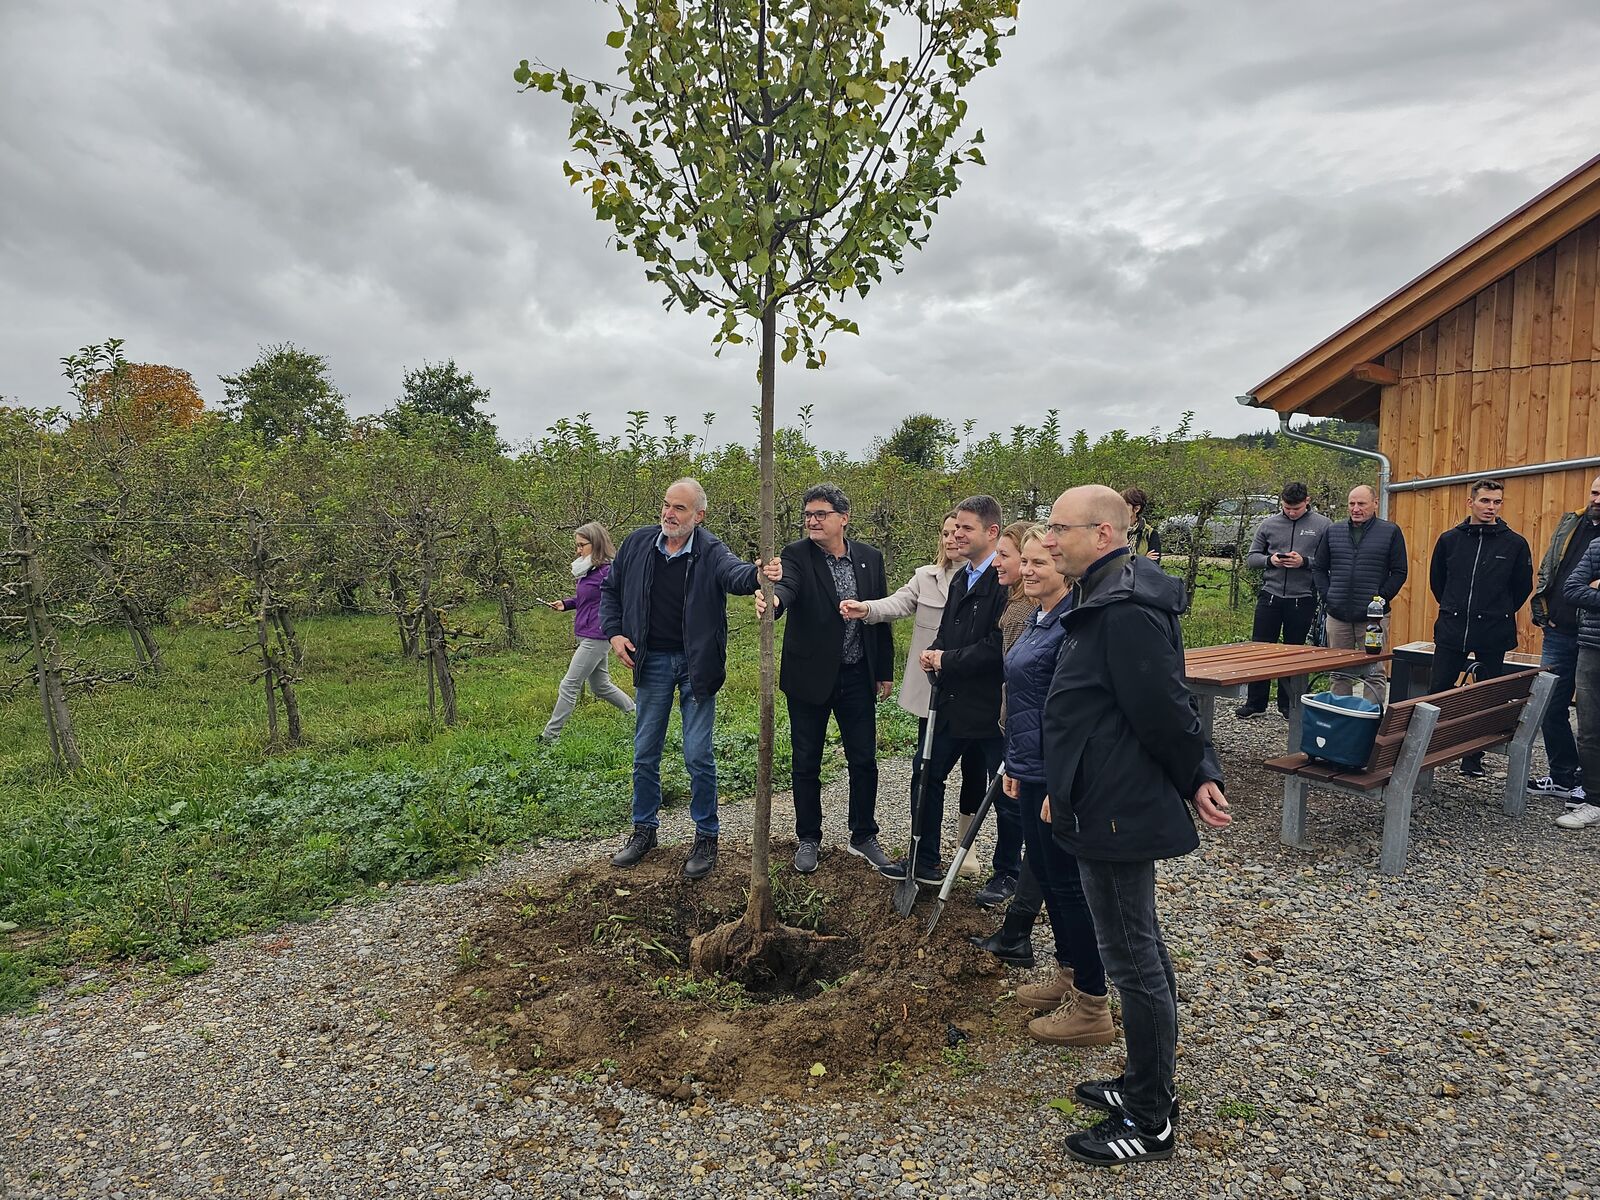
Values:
[(1509, 377)]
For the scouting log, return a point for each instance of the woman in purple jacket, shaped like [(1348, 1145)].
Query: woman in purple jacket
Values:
[(591, 661)]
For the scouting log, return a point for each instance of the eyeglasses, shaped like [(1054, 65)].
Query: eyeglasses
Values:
[(816, 514), (1058, 529)]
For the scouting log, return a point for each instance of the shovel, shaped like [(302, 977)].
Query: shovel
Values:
[(965, 847), (905, 892)]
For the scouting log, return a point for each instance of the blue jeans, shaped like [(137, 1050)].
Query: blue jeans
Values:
[(1559, 656), (1071, 923), (659, 674), (1122, 897)]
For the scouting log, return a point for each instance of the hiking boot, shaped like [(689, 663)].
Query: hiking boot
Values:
[(1049, 996), (702, 858), (1013, 942), (640, 842), (1106, 1095), (1082, 1020), (1544, 785), (996, 892), (1581, 817), (871, 851), (930, 875), (1246, 712), (805, 856), (1118, 1140)]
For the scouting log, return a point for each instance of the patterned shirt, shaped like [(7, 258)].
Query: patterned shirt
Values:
[(844, 582)]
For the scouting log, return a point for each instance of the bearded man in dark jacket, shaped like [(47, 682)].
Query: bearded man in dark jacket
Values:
[(1481, 574), (1124, 749)]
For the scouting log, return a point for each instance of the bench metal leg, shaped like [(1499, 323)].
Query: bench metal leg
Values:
[(1519, 754), (1398, 792), (1294, 812), (1424, 788)]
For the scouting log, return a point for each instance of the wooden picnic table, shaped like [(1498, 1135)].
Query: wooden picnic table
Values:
[(1222, 673)]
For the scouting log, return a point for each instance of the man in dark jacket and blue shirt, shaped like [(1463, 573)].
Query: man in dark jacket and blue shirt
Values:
[(1356, 560), (664, 607), (832, 666), (1558, 623), (968, 655), (1581, 588), (1481, 574), (1286, 602), (1124, 749)]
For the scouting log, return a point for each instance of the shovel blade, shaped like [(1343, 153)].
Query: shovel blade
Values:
[(905, 896)]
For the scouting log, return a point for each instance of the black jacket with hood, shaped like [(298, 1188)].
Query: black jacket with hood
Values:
[(1124, 747), (1480, 575)]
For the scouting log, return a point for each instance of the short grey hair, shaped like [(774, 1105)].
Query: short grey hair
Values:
[(830, 492), (693, 484)]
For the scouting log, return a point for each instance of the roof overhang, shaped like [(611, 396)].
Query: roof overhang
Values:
[(1334, 378)]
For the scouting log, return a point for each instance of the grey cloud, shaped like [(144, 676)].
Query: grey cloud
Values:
[(1179, 200)]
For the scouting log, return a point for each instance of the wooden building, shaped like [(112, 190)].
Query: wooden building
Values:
[(1488, 361)]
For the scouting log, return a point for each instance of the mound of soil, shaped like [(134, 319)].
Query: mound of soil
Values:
[(590, 972)]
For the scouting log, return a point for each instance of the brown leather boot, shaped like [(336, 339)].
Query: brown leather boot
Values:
[(970, 867), (1083, 1021), (1049, 996)]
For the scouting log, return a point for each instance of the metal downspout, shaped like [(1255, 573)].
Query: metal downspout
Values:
[(1385, 468)]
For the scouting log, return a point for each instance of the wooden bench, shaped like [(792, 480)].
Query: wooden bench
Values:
[(1414, 737)]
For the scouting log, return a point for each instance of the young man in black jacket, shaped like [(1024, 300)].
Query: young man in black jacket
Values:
[(664, 607), (1355, 560), (1124, 749), (832, 666), (1481, 574), (967, 656)]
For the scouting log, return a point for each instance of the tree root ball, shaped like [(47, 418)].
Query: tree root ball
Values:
[(779, 959)]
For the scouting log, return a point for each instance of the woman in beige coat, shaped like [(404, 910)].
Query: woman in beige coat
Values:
[(922, 598)]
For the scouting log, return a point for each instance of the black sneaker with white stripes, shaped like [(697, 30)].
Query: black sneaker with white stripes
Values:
[(1118, 1140), (1106, 1095)]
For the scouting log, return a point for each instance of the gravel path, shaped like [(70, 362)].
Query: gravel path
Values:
[(1344, 1034)]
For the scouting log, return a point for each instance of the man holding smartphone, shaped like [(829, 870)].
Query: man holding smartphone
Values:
[(1287, 602)]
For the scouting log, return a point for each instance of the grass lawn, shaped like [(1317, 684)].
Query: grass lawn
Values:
[(181, 830)]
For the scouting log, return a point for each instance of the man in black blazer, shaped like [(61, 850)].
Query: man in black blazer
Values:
[(832, 666), (967, 653)]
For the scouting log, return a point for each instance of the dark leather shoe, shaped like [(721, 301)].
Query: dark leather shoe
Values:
[(997, 891), (702, 859), (1012, 942), (640, 842), (805, 857)]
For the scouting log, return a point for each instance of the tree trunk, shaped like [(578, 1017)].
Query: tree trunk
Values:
[(408, 627), (47, 659), (297, 653)]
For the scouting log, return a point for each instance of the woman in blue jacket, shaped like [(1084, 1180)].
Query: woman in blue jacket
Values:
[(1074, 1008)]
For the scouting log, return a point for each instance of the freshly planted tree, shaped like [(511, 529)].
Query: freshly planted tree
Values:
[(764, 159)]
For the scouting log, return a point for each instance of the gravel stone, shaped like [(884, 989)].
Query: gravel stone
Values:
[(1342, 1034)]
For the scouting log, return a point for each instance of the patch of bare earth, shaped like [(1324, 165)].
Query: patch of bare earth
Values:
[(589, 972)]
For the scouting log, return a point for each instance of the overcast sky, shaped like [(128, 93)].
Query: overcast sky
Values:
[(1180, 198)]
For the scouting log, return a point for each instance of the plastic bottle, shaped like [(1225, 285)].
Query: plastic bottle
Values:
[(1373, 642)]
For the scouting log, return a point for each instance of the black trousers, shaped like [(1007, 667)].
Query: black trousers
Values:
[(1449, 662), (1279, 619), (854, 706)]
